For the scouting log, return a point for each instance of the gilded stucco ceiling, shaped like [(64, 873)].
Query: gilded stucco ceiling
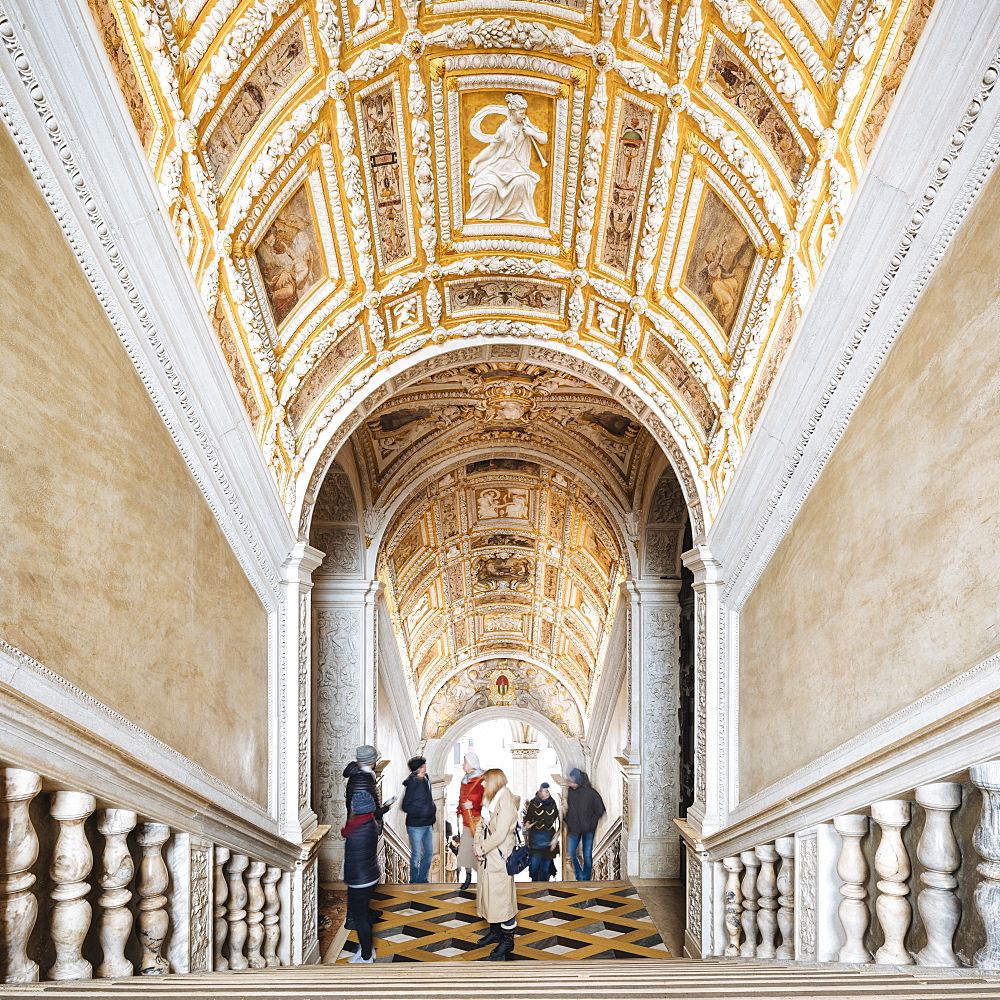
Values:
[(651, 187), (502, 558)]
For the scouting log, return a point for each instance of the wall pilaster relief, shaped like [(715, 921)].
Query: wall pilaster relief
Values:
[(296, 814), (654, 848), (710, 769), (345, 698)]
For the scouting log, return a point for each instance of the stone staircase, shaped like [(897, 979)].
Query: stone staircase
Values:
[(590, 980)]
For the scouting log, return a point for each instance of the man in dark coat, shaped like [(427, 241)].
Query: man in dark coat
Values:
[(584, 809), (421, 812)]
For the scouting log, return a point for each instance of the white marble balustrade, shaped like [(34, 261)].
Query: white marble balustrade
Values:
[(755, 905), (231, 909)]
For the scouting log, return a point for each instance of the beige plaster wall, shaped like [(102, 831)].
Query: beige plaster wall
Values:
[(113, 571), (886, 585)]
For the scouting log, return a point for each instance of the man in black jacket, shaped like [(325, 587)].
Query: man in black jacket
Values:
[(584, 809), (418, 804)]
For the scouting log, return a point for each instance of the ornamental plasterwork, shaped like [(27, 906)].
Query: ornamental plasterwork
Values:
[(502, 557), (666, 174)]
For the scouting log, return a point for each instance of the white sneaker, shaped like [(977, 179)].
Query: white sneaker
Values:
[(356, 958)]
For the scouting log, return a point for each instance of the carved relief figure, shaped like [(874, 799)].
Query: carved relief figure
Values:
[(378, 116), (737, 85), (497, 294), (623, 208), (721, 257), (501, 181), (228, 344), (652, 19), (124, 70), (508, 503), (257, 95), (289, 256), (370, 13), (909, 35), (513, 572)]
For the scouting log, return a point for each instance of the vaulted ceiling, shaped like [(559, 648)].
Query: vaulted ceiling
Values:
[(651, 186)]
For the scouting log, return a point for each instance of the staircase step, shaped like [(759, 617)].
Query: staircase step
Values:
[(594, 980)]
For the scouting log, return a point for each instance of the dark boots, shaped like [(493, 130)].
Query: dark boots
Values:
[(492, 936), (468, 880), (505, 947)]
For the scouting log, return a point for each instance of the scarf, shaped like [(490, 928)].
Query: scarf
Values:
[(472, 775), (487, 810)]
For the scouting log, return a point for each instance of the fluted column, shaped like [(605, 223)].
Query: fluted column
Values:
[(892, 865), (117, 871), (767, 888), (986, 840), (255, 914), (734, 905), (938, 852), (220, 892), (853, 870), (71, 863), (751, 865), (18, 905), (785, 846), (272, 907), (153, 881), (236, 915)]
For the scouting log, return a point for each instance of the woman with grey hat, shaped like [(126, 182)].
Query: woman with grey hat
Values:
[(361, 870)]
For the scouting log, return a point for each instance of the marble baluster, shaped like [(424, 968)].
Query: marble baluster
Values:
[(938, 852), (751, 865), (236, 915), (19, 844), (72, 860), (117, 873), (734, 905), (767, 900), (986, 840), (892, 865), (154, 920), (255, 914), (220, 892), (853, 870), (272, 910), (785, 846)]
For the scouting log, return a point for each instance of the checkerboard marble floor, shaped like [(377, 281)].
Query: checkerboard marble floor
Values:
[(558, 920)]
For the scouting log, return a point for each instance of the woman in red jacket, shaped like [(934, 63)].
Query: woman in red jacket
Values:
[(470, 806)]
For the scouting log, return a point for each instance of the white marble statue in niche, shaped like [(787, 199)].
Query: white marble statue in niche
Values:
[(501, 181), (652, 16)]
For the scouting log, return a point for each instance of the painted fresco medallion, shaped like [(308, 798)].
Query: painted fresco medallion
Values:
[(289, 256), (721, 258)]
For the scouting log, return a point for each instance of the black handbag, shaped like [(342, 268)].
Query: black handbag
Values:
[(519, 858)]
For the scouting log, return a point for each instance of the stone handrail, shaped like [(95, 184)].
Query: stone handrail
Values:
[(608, 854), (844, 891)]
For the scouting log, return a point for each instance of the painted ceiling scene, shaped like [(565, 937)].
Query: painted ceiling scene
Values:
[(648, 187)]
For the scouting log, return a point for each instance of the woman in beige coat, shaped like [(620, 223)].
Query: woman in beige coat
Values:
[(496, 898)]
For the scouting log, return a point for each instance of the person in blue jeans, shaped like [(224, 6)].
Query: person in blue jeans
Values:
[(584, 809), (541, 820), (418, 804)]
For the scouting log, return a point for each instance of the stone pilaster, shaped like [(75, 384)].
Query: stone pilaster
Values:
[(652, 767), (296, 815), (346, 697), (707, 812), (189, 860), (524, 780)]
